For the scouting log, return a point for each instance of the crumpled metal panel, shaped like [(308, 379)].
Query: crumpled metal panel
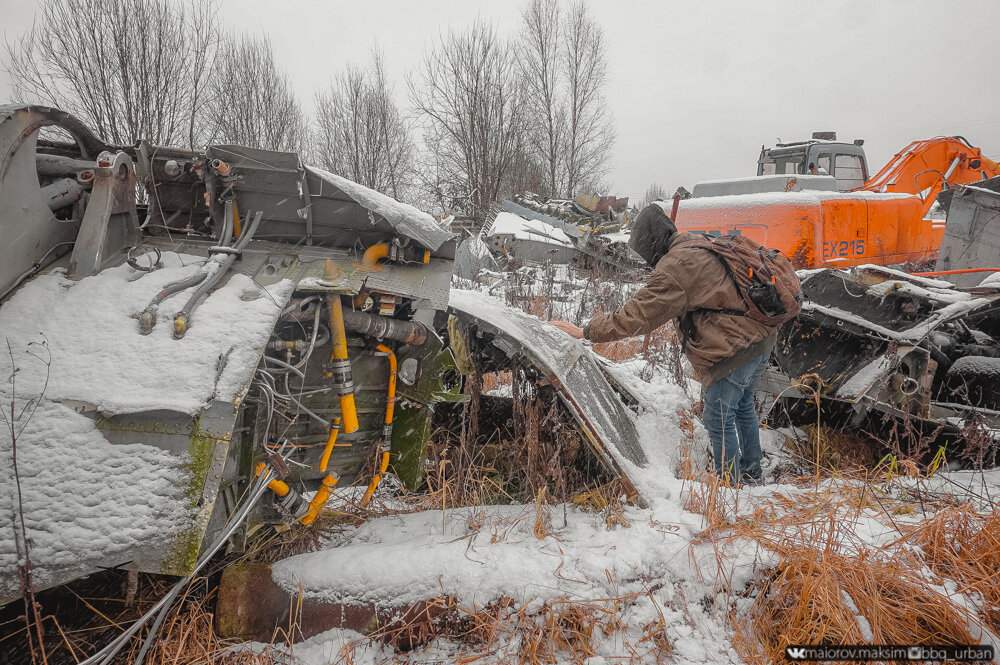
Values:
[(404, 218), (570, 366), (431, 282), (972, 233)]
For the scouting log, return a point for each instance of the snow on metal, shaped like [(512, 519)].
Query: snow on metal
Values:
[(582, 383), (405, 218)]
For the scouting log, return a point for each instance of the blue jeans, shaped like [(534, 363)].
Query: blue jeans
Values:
[(731, 421)]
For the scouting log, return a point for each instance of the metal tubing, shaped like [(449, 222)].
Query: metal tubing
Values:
[(50, 165), (390, 404), (225, 263), (372, 255), (148, 317), (341, 365), (383, 327), (320, 498), (62, 193)]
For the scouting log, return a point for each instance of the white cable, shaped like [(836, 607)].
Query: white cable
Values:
[(105, 655)]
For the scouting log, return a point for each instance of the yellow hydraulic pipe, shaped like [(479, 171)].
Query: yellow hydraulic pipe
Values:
[(391, 402), (390, 405), (320, 498), (279, 487), (330, 443), (372, 255), (348, 410)]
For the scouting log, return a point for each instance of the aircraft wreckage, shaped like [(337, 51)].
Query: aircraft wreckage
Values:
[(913, 360), (191, 331)]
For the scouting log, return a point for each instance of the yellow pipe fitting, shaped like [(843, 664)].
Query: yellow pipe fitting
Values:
[(324, 461), (279, 487), (320, 498), (349, 412), (371, 257), (387, 430)]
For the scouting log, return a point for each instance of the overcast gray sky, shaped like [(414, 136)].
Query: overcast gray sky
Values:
[(695, 86)]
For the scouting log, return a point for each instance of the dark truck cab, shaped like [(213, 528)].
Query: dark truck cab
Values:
[(821, 155)]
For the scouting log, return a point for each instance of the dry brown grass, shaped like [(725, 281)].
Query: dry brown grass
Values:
[(560, 630), (963, 545), (820, 596), (837, 452), (188, 636)]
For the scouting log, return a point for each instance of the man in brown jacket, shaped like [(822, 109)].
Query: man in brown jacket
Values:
[(727, 351)]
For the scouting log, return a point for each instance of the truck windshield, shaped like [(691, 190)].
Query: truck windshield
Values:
[(787, 163)]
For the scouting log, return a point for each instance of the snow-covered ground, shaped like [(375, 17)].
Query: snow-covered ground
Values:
[(673, 574)]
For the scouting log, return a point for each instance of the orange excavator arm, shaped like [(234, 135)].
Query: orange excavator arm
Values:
[(923, 168)]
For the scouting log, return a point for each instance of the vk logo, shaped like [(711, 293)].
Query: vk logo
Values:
[(795, 653)]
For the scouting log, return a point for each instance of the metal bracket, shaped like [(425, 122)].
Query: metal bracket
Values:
[(110, 227)]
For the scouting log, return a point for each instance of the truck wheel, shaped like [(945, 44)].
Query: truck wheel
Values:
[(974, 379)]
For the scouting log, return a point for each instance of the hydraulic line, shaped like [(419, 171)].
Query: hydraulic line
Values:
[(312, 340), (384, 327), (340, 366), (282, 363), (372, 255), (386, 447), (294, 502), (148, 317), (183, 317), (279, 487), (320, 498)]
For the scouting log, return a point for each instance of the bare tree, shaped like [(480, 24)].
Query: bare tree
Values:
[(541, 68), (589, 132), (468, 94), (132, 69), (654, 192), (360, 133), (253, 101)]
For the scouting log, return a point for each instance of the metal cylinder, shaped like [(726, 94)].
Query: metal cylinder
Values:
[(62, 193), (58, 165), (382, 327)]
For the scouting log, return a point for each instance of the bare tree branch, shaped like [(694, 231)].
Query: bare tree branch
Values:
[(468, 93), (546, 111), (360, 133), (590, 134), (253, 101), (132, 69)]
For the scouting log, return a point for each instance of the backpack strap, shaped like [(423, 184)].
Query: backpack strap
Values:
[(685, 324)]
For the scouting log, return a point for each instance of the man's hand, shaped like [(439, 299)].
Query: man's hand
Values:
[(569, 328)]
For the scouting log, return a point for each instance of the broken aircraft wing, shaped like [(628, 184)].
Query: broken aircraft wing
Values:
[(569, 367)]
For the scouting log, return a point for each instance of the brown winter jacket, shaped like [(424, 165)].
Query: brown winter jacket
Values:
[(689, 279)]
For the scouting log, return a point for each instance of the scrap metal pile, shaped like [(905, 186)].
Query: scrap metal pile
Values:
[(194, 327), (529, 230), (912, 360)]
